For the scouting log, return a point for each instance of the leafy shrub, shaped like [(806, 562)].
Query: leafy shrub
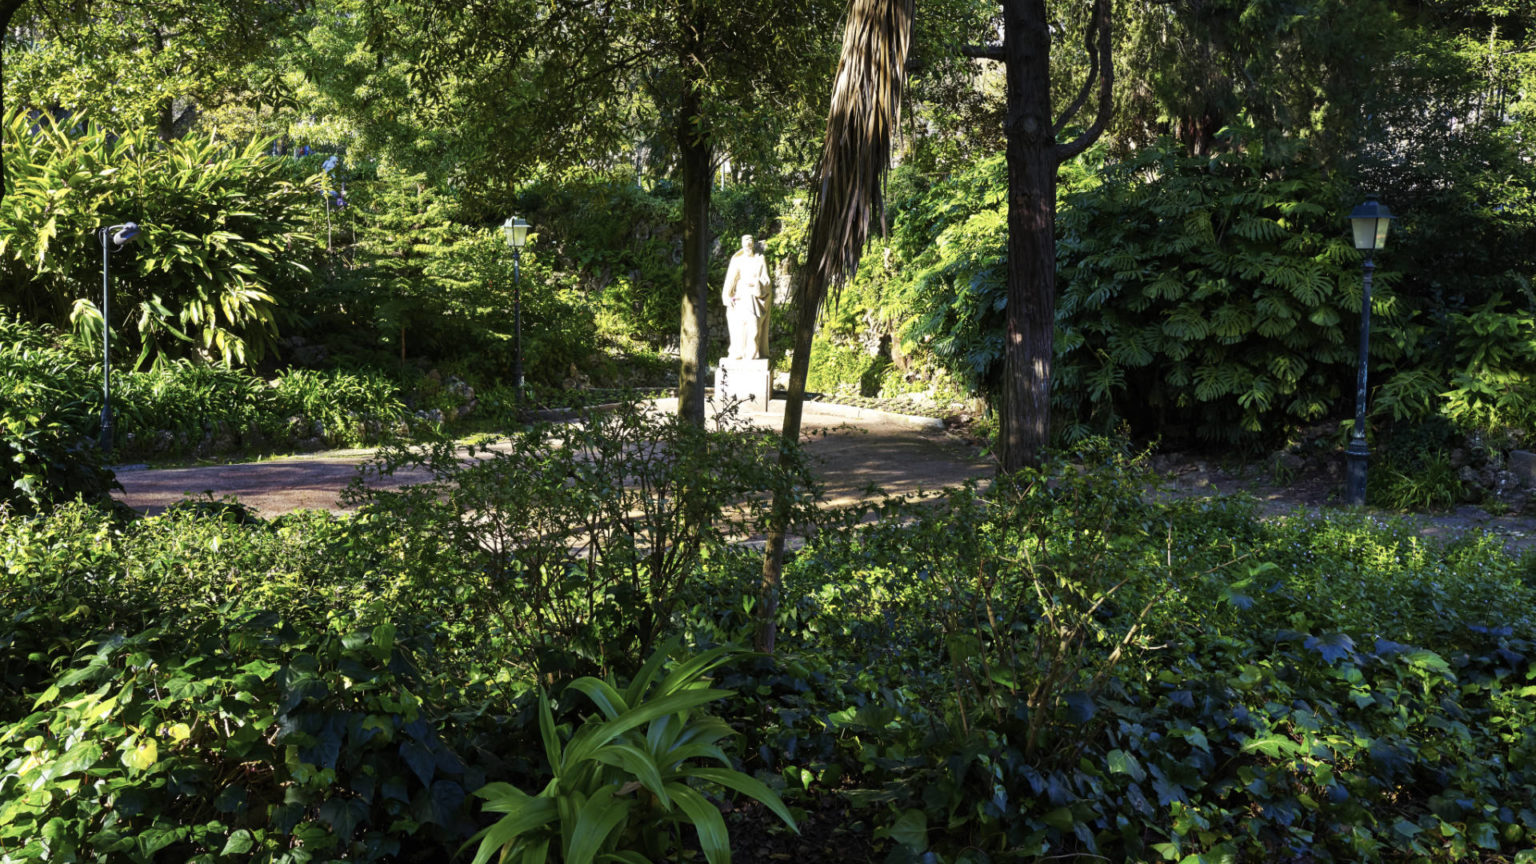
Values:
[(576, 542), (1207, 297), (188, 400), (352, 408), (49, 417), (1477, 371), (1214, 685), (218, 254), (238, 737)]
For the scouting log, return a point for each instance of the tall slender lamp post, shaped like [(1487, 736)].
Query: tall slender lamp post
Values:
[(1371, 221), (118, 234), (517, 234)]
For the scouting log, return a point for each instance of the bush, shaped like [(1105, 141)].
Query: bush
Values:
[(1211, 298), (219, 253), (575, 545), (236, 737), (49, 420), (1064, 669), (350, 408)]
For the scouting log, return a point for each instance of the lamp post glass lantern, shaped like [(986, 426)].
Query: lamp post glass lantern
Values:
[(517, 234), (118, 234), (1370, 222)]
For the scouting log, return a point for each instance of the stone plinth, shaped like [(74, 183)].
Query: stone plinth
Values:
[(744, 381)]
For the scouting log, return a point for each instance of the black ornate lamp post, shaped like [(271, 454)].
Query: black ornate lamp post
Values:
[(517, 234), (1371, 221), (118, 234)]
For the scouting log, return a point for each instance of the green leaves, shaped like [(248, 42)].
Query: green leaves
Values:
[(220, 246), (1234, 275), (593, 800)]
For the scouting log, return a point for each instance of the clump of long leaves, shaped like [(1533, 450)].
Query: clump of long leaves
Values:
[(221, 241), (621, 784)]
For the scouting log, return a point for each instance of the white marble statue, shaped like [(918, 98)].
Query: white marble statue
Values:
[(747, 295)]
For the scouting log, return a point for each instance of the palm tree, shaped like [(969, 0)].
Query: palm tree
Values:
[(866, 106)]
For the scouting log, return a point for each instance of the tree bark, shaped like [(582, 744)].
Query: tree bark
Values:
[(1031, 309), (794, 411), (693, 340)]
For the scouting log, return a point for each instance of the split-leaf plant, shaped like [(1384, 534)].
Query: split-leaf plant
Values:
[(1213, 298)]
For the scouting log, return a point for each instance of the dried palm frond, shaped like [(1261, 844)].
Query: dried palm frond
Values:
[(865, 110)]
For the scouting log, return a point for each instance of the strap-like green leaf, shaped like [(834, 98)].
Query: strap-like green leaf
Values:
[(536, 853), (547, 731), (638, 763), (689, 670), (748, 786), (581, 746), (627, 856), (706, 820), (507, 829), (502, 797), (597, 818), (647, 673), (602, 695)]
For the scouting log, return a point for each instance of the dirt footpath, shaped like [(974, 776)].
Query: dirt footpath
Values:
[(852, 452)]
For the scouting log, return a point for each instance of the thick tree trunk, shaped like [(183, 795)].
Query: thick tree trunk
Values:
[(1031, 309), (693, 340)]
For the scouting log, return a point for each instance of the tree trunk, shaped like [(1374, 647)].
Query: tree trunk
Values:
[(693, 340), (794, 410), (1031, 309)]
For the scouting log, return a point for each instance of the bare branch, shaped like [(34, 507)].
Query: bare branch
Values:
[(1102, 25), (1093, 75), (984, 52)]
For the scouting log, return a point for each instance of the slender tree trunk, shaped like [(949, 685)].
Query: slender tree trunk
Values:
[(693, 341), (1031, 309), (794, 410)]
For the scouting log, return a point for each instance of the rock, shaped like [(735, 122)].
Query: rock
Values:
[(1468, 476), (1287, 462), (252, 438), (1522, 463), (1458, 457), (1488, 476)]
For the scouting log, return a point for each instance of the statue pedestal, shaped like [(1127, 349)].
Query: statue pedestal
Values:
[(745, 381)]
